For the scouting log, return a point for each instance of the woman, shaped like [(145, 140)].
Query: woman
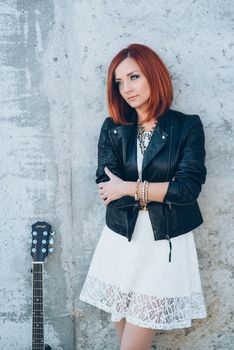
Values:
[(151, 166)]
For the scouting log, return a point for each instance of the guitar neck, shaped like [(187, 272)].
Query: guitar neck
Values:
[(37, 316)]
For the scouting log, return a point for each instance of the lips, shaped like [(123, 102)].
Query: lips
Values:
[(132, 97)]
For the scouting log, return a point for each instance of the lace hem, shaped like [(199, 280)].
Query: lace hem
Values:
[(141, 309)]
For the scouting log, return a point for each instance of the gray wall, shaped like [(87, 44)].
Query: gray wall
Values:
[(54, 57)]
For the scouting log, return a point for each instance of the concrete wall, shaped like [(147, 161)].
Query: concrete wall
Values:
[(54, 57)]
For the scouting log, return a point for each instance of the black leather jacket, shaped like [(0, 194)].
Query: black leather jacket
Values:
[(176, 153)]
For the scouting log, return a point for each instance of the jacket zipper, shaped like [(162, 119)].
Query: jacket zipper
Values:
[(116, 152), (168, 169), (169, 160), (169, 203), (132, 205)]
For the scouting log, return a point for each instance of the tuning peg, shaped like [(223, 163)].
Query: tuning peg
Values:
[(52, 233), (34, 233), (51, 241), (51, 250)]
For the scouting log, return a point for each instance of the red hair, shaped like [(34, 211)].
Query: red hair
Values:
[(157, 75)]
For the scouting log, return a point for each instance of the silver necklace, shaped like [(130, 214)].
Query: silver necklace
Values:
[(144, 136)]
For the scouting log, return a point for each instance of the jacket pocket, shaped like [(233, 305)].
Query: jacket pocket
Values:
[(117, 220), (182, 217)]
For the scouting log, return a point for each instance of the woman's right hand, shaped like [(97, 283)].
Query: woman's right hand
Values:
[(111, 190)]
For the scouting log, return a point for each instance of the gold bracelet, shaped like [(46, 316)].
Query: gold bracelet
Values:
[(136, 193)]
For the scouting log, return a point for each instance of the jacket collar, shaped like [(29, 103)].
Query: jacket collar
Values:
[(126, 135)]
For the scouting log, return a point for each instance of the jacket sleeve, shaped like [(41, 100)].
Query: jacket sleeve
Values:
[(108, 157), (191, 171)]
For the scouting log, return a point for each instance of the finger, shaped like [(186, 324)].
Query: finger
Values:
[(102, 190), (107, 171), (106, 201)]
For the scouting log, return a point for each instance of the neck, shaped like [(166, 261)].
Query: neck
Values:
[(141, 114), (142, 117), (37, 317)]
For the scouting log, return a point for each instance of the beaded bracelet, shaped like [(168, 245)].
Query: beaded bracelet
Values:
[(136, 193), (143, 191), (146, 192)]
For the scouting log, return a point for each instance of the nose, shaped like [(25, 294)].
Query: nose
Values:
[(127, 87)]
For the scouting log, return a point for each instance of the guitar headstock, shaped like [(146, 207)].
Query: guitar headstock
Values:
[(41, 241)]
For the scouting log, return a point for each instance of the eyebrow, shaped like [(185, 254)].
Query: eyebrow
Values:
[(127, 74)]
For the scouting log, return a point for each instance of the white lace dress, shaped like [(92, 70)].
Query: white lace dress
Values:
[(135, 280)]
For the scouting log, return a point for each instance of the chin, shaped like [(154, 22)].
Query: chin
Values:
[(134, 104)]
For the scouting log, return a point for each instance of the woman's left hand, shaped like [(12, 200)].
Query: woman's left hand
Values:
[(112, 189)]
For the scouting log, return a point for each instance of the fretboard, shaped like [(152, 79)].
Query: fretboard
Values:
[(37, 316)]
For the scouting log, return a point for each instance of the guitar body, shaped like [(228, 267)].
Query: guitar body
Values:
[(41, 241)]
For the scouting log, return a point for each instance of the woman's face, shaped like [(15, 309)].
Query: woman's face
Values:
[(133, 86)]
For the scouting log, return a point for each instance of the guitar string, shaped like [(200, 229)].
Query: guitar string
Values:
[(38, 332)]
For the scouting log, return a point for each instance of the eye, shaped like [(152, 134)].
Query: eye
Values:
[(135, 76), (132, 77)]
